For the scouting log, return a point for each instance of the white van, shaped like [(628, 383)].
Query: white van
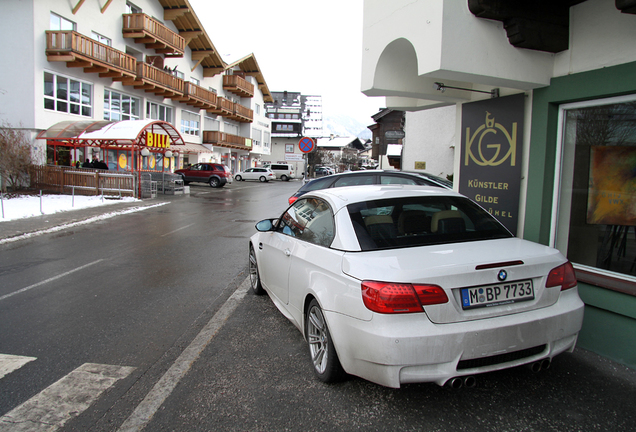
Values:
[(284, 172)]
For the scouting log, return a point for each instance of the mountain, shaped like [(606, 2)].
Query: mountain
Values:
[(342, 125)]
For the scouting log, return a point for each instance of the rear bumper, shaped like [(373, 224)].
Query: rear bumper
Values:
[(397, 349)]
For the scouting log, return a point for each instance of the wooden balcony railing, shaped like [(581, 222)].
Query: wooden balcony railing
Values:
[(157, 81), (78, 50), (153, 34), (199, 97), (223, 107), (242, 114), (223, 139), (238, 85)]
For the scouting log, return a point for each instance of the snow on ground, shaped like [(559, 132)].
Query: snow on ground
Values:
[(28, 205)]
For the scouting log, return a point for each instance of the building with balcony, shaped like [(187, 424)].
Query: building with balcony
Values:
[(286, 113), (543, 93), (119, 60)]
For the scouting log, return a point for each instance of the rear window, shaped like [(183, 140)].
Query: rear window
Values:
[(422, 221), (280, 167)]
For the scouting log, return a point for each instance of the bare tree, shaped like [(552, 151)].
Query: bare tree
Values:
[(15, 157)]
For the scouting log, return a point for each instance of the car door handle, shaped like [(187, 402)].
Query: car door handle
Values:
[(287, 252)]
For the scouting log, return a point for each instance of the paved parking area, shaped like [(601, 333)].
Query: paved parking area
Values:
[(256, 375)]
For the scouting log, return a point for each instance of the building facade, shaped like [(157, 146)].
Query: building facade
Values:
[(86, 62), (293, 116), (570, 69)]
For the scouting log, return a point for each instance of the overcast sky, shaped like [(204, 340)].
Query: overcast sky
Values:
[(312, 47)]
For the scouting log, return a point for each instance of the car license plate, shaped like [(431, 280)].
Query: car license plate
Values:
[(497, 295)]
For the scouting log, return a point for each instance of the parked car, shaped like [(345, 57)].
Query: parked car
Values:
[(323, 171), (367, 177), (261, 174), (285, 172), (405, 284), (216, 175)]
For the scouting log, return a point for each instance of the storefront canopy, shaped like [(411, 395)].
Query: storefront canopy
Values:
[(106, 133)]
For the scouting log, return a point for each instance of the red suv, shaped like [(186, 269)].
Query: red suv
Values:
[(216, 175)]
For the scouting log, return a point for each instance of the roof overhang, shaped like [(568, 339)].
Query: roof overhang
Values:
[(106, 133)]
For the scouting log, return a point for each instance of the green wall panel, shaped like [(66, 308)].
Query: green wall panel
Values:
[(596, 84)]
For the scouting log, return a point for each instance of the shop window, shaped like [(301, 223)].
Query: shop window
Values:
[(67, 95), (119, 106), (596, 210)]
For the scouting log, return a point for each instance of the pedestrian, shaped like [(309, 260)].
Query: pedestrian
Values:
[(87, 164)]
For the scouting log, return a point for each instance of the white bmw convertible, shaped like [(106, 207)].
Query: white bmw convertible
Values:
[(406, 284)]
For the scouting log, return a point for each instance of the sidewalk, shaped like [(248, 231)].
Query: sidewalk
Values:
[(14, 229)]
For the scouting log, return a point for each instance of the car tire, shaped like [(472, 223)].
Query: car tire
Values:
[(262, 179), (284, 177), (238, 178), (321, 348), (215, 182), (255, 277)]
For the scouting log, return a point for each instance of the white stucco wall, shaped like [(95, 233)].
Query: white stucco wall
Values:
[(409, 45), (430, 137)]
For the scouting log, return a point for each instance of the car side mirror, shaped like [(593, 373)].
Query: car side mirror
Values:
[(265, 225)]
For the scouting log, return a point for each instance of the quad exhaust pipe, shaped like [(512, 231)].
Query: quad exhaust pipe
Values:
[(459, 382)]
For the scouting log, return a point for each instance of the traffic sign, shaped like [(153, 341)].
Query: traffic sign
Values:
[(306, 144)]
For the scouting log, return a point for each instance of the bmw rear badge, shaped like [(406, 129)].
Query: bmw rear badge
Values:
[(502, 275)]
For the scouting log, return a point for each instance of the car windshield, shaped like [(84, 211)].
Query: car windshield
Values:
[(421, 221)]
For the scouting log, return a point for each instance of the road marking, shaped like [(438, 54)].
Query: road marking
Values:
[(79, 223), (178, 229), (9, 363), (166, 384), (49, 280), (50, 409)]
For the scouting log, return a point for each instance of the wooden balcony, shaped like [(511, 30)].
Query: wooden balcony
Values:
[(199, 97), (238, 85), (153, 34), (223, 139), (242, 114), (157, 81), (223, 107), (78, 50)]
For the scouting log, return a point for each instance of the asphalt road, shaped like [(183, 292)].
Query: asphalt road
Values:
[(164, 297)]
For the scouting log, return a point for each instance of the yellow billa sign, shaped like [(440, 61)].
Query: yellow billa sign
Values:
[(157, 140)]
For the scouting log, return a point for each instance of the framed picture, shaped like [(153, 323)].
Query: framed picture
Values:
[(611, 185)]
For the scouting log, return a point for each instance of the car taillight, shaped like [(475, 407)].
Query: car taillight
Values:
[(562, 276), (392, 298), (292, 199)]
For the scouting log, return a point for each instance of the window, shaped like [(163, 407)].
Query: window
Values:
[(178, 74), (257, 108), (310, 220), (422, 221), (387, 179), (193, 80), (119, 106), (131, 8), (190, 123), (67, 95), (59, 23), (156, 111), (102, 39), (595, 206)]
